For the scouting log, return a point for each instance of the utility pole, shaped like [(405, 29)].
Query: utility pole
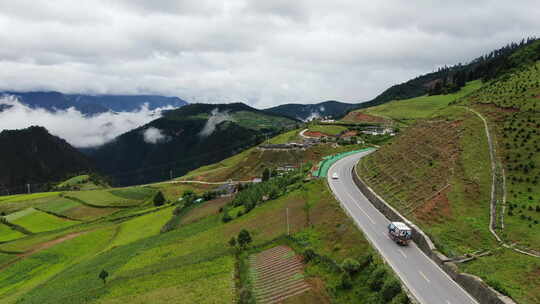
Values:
[(287, 220), (170, 173), (28, 186)]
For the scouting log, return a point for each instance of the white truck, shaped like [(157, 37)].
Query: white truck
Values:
[(400, 233)]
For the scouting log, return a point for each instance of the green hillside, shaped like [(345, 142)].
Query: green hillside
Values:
[(420, 107), (512, 108), (49, 160), (147, 261), (185, 139), (437, 173)]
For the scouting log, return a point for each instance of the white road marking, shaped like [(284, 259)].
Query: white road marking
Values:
[(402, 253), (424, 276), (373, 241), (356, 203)]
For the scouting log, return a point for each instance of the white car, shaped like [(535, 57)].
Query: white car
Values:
[(335, 175)]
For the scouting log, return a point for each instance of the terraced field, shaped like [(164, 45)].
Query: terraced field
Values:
[(127, 197), (7, 233), (38, 221), (277, 274)]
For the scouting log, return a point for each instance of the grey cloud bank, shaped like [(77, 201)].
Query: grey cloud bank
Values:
[(74, 127), (261, 52)]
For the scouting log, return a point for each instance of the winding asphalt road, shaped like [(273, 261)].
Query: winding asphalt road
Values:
[(424, 279)]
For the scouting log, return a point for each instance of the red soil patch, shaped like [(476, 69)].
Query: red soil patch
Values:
[(436, 209), (363, 117), (49, 244), (42, 246)]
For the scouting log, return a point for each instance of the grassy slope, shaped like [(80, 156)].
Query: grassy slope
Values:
[(116, 197), (511, 106), (327, 129), (37, 221), (251, 163), (8, 234), (457, 219), (427, 158), (80, 180), (141, 227), (419, 107), (181, 265)]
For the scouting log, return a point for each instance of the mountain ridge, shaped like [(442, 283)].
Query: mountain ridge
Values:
[(92, 104), (34, 156)]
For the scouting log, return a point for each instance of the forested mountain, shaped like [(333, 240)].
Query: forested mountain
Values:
[(451, 79), (185, 139), (33, 156), (93, 104), (332, 108)]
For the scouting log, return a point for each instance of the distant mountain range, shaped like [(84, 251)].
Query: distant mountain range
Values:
[(33, 156), (93, 104), (185, 139), (331, 108)]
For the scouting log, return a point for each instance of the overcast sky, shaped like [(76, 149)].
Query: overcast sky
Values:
[(263, 52)]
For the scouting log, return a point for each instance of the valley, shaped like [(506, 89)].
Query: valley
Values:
[(226, 203)]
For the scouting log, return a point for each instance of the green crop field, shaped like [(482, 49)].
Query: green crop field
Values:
[(108, 198), (26, 197), (141, 227), (40, 201), (58, 205), (37, 221), (192, 263), (20, 279), (290, 136), (327, 129), (134, 193), (8, 234)]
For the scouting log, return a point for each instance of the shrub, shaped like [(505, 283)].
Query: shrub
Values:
[(244, 238), (246, 296), (390, 289), (226, 217), (159, 199), (365, 261), (401, 298), (103, 275), (346, 281), (309, 254), (377, 279), (497, 286), (232, 242), (351, 266)]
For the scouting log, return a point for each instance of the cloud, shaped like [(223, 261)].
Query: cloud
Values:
[(154, 135), (261, 52), (72, 125), (215, 119)]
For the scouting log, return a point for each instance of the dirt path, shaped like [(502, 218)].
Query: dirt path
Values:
[(493, 204), (42, 246)]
